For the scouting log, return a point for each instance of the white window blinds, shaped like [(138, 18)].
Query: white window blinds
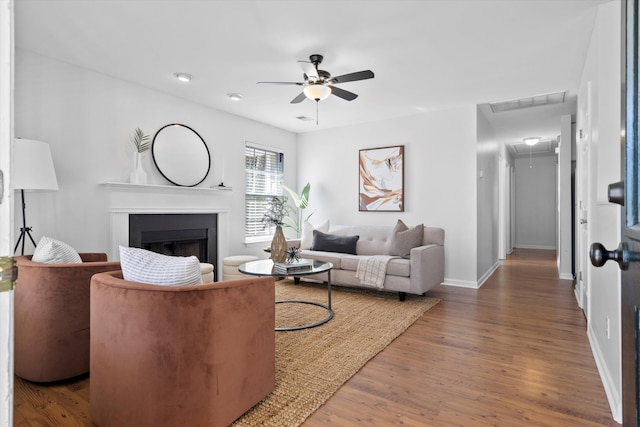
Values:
[(264, 171)]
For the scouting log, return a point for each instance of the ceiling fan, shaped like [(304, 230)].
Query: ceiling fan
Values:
[(319, 84)]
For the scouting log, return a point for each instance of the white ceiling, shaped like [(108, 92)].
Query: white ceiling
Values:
[(426, 55)]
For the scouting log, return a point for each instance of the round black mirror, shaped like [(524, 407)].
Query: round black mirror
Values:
[(181, 155)]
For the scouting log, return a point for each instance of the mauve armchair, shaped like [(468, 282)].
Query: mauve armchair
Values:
[(198, 355), (52, 316)]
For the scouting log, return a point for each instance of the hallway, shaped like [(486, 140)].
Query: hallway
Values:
[(514, 353)]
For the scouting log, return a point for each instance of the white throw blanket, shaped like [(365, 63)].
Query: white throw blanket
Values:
[(372, 270)]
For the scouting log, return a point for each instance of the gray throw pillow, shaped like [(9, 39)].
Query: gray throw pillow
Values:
[(332, 243), (404, 239)]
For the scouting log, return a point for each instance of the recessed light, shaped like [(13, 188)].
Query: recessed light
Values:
[(183, 77), (235, 96)]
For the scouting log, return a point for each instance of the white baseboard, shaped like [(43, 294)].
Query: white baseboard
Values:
[(552, 248), (613, 395), (488, 274), (460, 283), (469, 283), (578, 295)]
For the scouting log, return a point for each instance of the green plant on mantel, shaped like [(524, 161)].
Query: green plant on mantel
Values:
[(301, 201), (140, 141)]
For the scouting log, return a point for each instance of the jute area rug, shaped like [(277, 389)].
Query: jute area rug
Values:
[(312, 364)]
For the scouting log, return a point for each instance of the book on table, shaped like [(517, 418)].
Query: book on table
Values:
[(293, 267)]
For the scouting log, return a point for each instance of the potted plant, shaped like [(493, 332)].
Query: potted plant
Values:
[(301, 202), (274, 215), (140, 143)]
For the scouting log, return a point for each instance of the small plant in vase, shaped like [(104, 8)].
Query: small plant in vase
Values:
[(274, 216), (140, 143)]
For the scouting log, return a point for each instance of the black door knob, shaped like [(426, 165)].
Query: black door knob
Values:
[(616, 193), (600, 255)]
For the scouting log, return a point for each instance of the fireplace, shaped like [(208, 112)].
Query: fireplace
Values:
[(177, 235)]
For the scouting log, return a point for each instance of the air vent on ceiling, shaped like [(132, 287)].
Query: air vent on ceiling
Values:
[(304, 118), (532, 101)]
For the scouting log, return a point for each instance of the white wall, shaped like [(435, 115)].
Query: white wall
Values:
[(536, 202), (88, 118), (488, 190), (602, 70), (440, 178)]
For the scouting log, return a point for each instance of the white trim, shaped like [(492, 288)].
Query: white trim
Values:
[(460, 283), (610, 389), (488, 274), (551, 248), (6, 206), (470, 283), (566, 276), (265, 147)]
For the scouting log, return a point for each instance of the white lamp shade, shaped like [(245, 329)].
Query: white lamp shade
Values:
[(317, 92), (32, 166)]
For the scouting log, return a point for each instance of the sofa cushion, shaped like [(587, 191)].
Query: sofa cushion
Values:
[(52, 251), (139, 265), (332, 257), (404, 239), (306, 238), (332, 243), (396, 267)]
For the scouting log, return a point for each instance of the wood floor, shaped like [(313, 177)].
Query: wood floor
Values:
[(514, 353)]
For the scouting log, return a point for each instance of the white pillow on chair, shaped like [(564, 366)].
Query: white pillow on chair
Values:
[(52, 251), (140, 265)]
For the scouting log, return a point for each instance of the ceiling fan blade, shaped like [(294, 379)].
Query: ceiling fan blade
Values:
[(298, 98), (282, 83), (351, 77), (309, 69), (341, 93)]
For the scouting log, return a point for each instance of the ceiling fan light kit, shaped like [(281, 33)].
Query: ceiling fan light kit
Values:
[(317, 92), (319, 84)]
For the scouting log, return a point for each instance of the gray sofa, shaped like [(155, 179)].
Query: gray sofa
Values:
[(423, 270)]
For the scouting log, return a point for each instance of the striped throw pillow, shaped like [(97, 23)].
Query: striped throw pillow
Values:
[(52, 251), (140, 265)]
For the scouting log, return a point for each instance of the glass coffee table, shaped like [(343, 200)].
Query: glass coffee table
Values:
[(264, 267)]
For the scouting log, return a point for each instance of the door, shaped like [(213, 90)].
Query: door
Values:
[(583, 143), (625, 192), (503, 224), (630, 292)]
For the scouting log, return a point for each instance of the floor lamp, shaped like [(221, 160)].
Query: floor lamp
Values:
[(32, 171)]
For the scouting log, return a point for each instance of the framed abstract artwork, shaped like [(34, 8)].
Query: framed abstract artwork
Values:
[(382, 179)]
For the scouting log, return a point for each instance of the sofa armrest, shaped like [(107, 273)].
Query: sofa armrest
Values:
[(427, 268), (293, 243)]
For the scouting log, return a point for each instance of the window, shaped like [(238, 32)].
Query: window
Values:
[(264, 170)]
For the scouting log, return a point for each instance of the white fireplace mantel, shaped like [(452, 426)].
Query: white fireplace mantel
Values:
[(125, 199)]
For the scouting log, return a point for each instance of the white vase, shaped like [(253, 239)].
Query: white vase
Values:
[(138, 176)]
